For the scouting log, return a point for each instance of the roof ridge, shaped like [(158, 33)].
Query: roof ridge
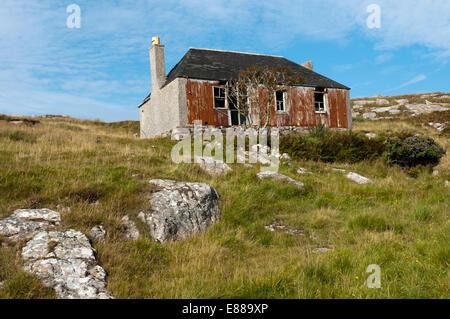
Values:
[(276, 56)]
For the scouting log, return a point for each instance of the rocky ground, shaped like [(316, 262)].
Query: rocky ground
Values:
[(403, 106)]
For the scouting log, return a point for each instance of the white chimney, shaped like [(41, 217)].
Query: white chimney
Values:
[(157, 64), (308, 65)]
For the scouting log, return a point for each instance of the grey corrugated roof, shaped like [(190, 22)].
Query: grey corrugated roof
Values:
[(209, 64)]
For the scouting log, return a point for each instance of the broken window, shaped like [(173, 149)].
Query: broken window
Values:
[(219, 97), (280, 100), (319, 100)]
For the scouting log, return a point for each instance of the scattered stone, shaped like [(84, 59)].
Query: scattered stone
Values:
[(369, 115), (338, 170), (278, 227), (213, 166), (301, 170), (180, 133), (285, 157), (447, 183), (280, 177), (98, 233), (66, 262), (25, 223), (181, 209), (438, 126), (435, 173), (137, 175), (322, 250), (130, 229), (358, 178)]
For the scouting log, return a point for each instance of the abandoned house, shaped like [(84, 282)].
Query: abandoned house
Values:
[(195, 90)]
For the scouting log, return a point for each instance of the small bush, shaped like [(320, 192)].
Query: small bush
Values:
[(328, 146), (412, 151)]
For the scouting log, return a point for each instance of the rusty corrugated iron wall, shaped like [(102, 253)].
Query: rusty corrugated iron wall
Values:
[(299, 107)]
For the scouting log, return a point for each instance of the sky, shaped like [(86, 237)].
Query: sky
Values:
[(101, 69)]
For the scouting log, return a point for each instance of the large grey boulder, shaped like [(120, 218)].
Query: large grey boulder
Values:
[(65, 261), (25, 223), (280, 177), (180, 209)]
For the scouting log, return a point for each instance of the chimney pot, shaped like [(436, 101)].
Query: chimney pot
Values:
[(308, 65), (155, 40)]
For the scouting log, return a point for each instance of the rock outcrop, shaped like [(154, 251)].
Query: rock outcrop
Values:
[(280, 177), (63, 260), (66, 262), (23, 224), (180, 210)]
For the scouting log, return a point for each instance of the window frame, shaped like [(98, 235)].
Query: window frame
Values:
[(225, 102), (283, 111), (322, 91)]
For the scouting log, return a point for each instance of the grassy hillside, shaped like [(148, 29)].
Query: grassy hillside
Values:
[(101, 172)]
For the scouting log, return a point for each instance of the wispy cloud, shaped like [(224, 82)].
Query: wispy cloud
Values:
[(414, 80)]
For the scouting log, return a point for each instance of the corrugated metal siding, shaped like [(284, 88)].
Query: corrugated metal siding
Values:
[(299, 107), (200, 104)]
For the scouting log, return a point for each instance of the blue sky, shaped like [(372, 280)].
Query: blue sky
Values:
[(101, 70)]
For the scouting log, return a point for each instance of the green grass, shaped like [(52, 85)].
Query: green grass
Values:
[(399, 222)]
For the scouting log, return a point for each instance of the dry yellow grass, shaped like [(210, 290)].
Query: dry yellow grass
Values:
[(398, 222)]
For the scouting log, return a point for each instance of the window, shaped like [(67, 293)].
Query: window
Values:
[(279, 101), (319, 100), (219, 97)]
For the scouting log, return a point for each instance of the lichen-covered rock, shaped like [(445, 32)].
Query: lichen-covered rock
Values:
[(276, 226), (98, 233), (213, 166), (130, 229), (25, 223), (358, 178), (280, 177), (66, 262), (369, 115), (181, 209)]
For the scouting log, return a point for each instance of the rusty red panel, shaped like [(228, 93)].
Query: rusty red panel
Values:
[(200, 104), (299, 107)]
